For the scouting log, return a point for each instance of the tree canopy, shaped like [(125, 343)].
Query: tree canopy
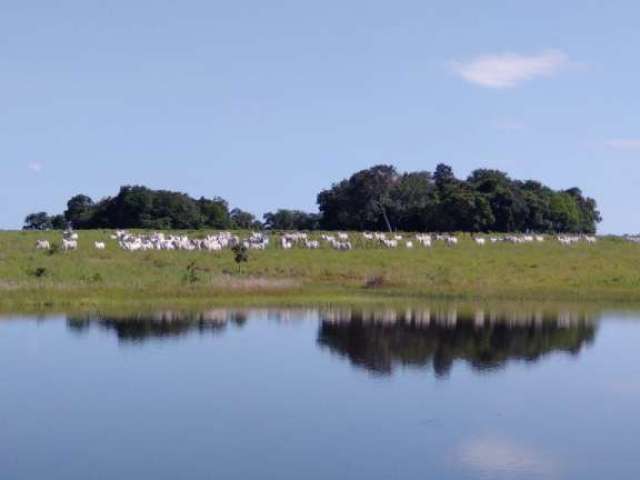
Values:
[(43, 221), (377, 198), (488, 200), (141, 207)]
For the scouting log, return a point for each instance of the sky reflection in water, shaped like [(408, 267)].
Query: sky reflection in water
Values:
[(442, 393)]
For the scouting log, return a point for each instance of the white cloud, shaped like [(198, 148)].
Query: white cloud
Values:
[(624, 143), (509, 69), (501, 457), (35, 167)]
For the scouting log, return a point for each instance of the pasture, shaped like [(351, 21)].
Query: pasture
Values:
[(109, 276)]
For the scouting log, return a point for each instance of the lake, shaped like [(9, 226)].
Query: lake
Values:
[(410, 393)]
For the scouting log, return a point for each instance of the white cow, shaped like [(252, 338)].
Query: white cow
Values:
[(43, 245), (451, 241), (99, 245), (285, 243), (69, 244)]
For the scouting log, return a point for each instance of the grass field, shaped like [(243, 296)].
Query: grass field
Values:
[(608, 272)]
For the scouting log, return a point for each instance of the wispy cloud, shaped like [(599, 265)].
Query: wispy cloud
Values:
[(35, 167), (624, 143), (508, 70)]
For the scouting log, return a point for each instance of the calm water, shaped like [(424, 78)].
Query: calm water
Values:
[(414, 394)]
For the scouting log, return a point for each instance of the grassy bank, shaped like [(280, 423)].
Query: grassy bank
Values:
[(608, 271)]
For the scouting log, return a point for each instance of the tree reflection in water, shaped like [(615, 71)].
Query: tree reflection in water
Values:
[(138, 328), (380, 341), (167, 324)]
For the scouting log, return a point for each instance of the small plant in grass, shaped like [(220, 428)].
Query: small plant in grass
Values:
[(97, 277), (38, 272), (192, 274), (240, 254)]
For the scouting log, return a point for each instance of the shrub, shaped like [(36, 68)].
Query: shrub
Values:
[(240, 254), (38, 272), (192, 274)]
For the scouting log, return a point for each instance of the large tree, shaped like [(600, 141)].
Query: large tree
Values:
[(488, 200)]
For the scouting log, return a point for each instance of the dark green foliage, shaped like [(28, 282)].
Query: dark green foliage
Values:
[(291, 220), (244, 220), (488, 200), (378, 198), (80, 211), (42, 221), (58, 222), (240, 254), (37, 221), (192, 274), (362, 202), (141, 207), (38, 272), (97, 277)]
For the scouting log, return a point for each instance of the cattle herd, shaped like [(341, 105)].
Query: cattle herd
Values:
[(132, 242)]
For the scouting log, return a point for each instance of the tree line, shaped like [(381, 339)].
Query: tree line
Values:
[(378, 198)]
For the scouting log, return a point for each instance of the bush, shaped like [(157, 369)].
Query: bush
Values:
[(38, 272), (240, 254), (192, 274)]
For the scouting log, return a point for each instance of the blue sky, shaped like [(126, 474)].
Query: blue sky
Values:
[(267, 102)]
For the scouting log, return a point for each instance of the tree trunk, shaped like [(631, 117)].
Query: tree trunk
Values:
[(386, 219)]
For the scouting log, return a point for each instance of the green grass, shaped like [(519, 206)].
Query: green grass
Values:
[(606, 272)]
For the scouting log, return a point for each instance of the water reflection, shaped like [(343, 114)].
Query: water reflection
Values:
[(141, 327), (168, 324), (379, 341)]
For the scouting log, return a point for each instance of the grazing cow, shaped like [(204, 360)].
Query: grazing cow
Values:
[(480, 241), (342, 245), (43, 245), (285, 243), (69, 244), (451, 241), (313, 244), (409, 244), (424, 239), (99, 245)]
